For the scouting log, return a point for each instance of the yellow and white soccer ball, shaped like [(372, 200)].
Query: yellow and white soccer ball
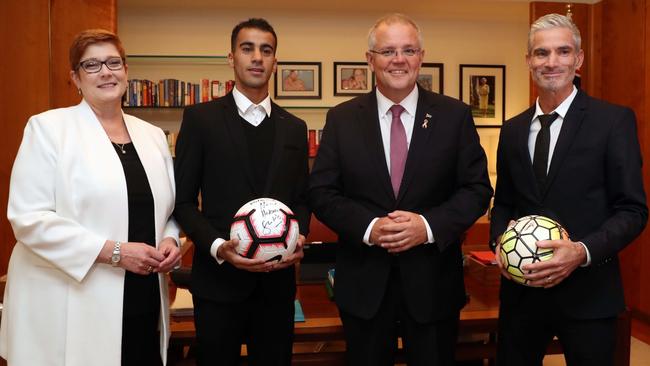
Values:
[(519, 243)]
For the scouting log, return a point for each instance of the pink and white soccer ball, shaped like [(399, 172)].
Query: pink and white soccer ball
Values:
[(266, 228)]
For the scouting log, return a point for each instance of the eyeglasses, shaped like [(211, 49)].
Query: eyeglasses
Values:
[(389, 52), (92, 66)]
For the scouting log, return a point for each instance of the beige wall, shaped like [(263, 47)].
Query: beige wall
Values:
[(451, 38)]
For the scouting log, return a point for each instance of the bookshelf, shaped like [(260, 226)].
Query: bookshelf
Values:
[(193, 69)]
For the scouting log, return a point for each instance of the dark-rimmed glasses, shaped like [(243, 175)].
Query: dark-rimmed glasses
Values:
[(92, 65), (390, 52)]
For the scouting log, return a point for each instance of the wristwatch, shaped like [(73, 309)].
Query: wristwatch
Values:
[(115, 258)]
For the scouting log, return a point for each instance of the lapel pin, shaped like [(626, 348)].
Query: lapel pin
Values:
[(426, 121)]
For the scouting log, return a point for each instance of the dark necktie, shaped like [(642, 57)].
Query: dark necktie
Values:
[(540, 157), (398, 148)]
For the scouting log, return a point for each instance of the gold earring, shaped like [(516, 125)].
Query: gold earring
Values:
[(79, 91)]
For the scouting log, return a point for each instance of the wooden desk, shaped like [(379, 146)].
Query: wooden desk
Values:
[(319, 340)]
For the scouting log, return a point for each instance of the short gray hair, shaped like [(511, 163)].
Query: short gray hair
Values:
[(550, 21), (388, 20)]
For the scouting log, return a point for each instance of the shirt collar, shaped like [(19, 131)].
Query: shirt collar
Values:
[(410, 103), (244, 104), (562, 109)]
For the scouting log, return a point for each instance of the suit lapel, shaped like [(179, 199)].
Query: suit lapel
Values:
[(570, 127), (422, 131), (522, 135), (237, 136), (278, 145), (371, 132)]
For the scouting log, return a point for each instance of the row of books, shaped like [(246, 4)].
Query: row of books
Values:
[(173, 92)]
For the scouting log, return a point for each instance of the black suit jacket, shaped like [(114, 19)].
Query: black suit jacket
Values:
[(212, 159), (594, 189), (445, 180)]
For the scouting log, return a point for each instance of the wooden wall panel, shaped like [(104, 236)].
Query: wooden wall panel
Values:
[(593, 80), (24, 90), (624, 66), (644, 130), (69, 17), (34, 77)]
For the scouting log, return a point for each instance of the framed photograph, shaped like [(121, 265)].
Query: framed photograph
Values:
[(352, 78), (431, 77), (483, 87), (298, 80)]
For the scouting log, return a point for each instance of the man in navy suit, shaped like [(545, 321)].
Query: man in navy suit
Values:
[(400, 176), (232, 150), (576, 160)]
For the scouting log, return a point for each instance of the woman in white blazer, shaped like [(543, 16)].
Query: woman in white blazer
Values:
[(90, 203)]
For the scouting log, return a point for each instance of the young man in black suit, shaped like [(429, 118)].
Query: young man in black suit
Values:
[(582, 167), (232, 150), (400, 175)]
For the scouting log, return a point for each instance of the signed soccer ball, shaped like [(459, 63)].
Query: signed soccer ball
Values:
[(266, 228), (518, 243)]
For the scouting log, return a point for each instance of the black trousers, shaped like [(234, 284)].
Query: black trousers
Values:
[(526, 330), (265, 325), (141, 340), (373, 342)]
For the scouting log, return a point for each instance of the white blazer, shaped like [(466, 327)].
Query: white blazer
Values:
[(67, 196)]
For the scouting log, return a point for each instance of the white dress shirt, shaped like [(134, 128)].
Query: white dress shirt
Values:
[(555, 129), (410, 104), (253, 114)]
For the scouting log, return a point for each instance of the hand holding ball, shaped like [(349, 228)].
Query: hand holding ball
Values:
[(518, 243), (266, 228)]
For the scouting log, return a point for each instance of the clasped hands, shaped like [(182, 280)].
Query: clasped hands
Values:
[(399, 231), (228, 252), (143, 259)]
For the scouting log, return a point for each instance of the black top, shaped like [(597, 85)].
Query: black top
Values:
[(260, 147), (141, 293)]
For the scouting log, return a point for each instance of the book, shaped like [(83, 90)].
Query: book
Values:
[(298, 315), (230, 84), (205, 90), (484, 257), (215, 89), (329, 284), (330, 276), (311, 141)]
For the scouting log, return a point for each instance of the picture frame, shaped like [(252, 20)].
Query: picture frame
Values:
[(483, 88), (298, 80), (352, 78), (431, 77)]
